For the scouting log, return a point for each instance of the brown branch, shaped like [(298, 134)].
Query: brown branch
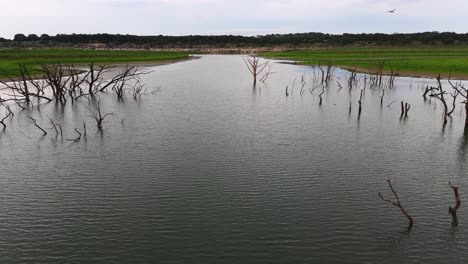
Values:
[(77, 139), (397, 203), (320, 95), (8, 114), (34, 121), (97, 114), (453, 210), (54, 126), (360, 103)]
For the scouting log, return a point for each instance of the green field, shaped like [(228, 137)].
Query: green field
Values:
[(33, 58), (427, 61)]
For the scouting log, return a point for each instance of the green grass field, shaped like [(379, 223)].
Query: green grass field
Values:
[(33, 58), (425, 61)]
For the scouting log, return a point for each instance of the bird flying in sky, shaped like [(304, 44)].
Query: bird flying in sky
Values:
[(392, 11)]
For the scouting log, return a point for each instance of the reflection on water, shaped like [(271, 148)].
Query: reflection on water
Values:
[(213, 170)]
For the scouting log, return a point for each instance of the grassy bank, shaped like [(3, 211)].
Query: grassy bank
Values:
[(424, 61), (33, 58)]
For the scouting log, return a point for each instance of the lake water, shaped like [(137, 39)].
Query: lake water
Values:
[(212, 170)]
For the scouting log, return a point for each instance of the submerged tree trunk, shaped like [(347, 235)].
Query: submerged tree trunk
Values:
[(397, 204), (453, 210)]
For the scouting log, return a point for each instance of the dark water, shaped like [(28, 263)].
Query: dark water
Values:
[(210, 170)]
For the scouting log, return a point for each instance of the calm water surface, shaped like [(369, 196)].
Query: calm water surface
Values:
[(212, 170)]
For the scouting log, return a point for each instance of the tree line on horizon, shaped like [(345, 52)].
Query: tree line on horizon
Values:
[(192, 41)]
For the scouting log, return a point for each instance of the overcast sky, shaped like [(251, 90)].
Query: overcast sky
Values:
[(244, 17)]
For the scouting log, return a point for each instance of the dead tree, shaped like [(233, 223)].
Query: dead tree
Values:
[(97, 114), (255, 67), (137, 90), (453, 210), (391, 78), (464, 93), (129, 76), (382, 96), (266, 75), (397, 203), (119, 89), (360, 103), (55, 77), (329, 75), (439, 93), (34, 122), (9, 114), (303, 83), (85, 136), (21, 89), (322, 73), (339, 85), (320, 95), (405, 107), (379, 73), (352, 80), (426, 91), (94, 77), (56, 127), (77, 139), (75, 83)]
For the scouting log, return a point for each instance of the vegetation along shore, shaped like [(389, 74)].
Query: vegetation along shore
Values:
[(33, 58), (406, 61)]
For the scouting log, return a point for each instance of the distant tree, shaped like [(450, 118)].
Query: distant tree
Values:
[(296, 39), (45, 37), (20, 37), (32, 37)]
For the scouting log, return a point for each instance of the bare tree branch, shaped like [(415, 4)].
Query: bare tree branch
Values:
[(397, 203)]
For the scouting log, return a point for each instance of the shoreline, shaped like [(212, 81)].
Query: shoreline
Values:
[(112, 65), (407, 74)]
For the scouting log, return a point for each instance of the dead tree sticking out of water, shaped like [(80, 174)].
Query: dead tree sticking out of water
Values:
[(340, 87), (84, 131), (453, 210), (303, 83), (360, 104), (77, 139), (380, 69), (320, 95), (326, 75), (55, 77), (352, 80), (137, 90), (255, 67), (75, 81), (9, 114), (93, 78), (405, 107), (382, 96), (119, 89), (397, 203), (266, 75), (391, 78), (426, 91), (34, 121), (56, 127), (128, 79), (97, 114), (464, 93), (438, 92), (21, 88)]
